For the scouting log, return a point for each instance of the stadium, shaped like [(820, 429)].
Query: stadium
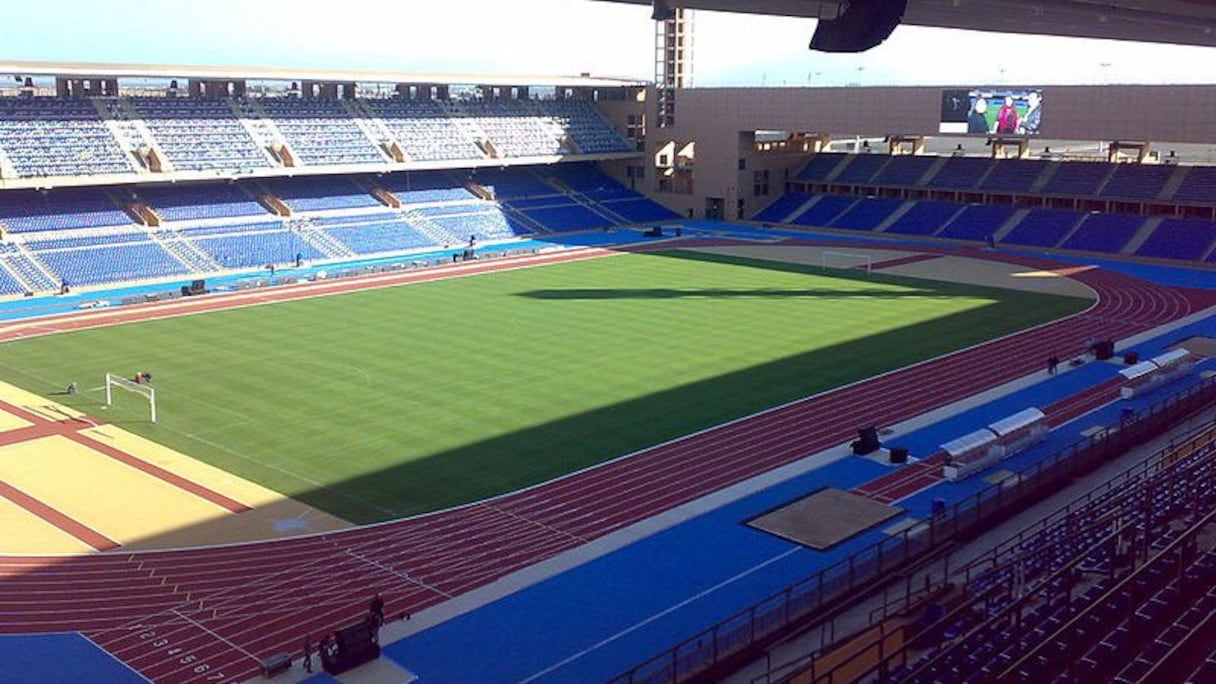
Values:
[(347, 375)]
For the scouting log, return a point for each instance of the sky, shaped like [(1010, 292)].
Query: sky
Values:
[(558, 37)]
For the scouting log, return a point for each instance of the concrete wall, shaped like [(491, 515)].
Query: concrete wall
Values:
[(715, 117)]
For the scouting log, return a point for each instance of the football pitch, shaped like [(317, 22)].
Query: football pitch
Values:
[(390, 402)]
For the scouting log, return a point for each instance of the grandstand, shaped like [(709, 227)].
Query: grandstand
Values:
[(315, 184)]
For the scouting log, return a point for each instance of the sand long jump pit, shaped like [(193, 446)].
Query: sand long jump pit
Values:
[(911, 263)]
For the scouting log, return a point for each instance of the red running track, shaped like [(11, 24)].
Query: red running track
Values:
[(209, 614)]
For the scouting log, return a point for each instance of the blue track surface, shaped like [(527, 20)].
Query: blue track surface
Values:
[(55, 658)]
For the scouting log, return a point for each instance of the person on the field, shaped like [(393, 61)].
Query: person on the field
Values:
[(307, 653), (376, 610)]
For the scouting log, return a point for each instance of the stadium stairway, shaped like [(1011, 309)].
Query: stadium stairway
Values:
[(325, 243), (895, 216), (185, 251), (1175, 181), (932, 171), (7, 170), (263, 130), (1007, 227), (27, 268), (1071, 231), (437, 233), (1141, 235), (1044, 178), (803, 208), (517, 215), (373, 127)]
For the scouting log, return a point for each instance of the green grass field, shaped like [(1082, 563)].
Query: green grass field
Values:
[(390, 402)]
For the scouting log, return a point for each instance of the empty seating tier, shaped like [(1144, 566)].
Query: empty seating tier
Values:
[(1137, 181), (49, 136), (820, 168), (29, 210), (320, 193), (371, 235), (924, 218), (867, 213), (905, 171), (824, 210), (200, 134), (422, 188), (1199, 185), (1107, 233), (963, 173), (779, 209), (425, 130), (1013, 175), (192, 202), (1042, 227), (1180, 239), (977, 222), (862, 168), (321, 131), (1077, 179), (508, 183), (251, 245)]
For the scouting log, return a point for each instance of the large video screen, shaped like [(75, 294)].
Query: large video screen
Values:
[(992, 111)]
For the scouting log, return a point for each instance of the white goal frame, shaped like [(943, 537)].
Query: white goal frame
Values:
[(853, 260), (141, 389)]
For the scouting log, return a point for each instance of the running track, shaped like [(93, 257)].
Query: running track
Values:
[(208, 614)]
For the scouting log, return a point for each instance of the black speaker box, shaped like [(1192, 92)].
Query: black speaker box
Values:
[(863, 25)]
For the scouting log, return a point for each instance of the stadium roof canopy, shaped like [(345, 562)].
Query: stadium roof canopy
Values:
[(254, 73), (1185, 22)]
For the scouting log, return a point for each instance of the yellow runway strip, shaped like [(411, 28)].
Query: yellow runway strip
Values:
[(35, 404), (99, 492), (10, 422), (25, 532)]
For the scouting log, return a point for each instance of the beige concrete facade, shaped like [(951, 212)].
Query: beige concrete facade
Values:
[(721, 122)]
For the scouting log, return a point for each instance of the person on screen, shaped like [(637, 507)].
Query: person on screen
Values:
[(1007, 117), (1034, 114), (977, 118)]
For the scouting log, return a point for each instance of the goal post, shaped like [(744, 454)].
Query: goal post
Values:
[(846, 260), (142, 389)]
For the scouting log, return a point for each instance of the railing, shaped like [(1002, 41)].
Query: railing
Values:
[(775, 616)]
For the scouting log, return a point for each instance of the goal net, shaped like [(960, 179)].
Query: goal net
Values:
[(847, 260), (139, 388)]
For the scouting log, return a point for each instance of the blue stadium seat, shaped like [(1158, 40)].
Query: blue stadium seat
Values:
[(1043, 227), (823, 212), (199, 133), (963, 173), (820, 167), (781, 207), (65, 208), (977, 222), (924, 218), (1186, 239), (862, 168), (1106, 233), (905, 170), (867, 213)]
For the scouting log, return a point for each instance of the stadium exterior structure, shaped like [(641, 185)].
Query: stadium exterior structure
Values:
[(724, 163)]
